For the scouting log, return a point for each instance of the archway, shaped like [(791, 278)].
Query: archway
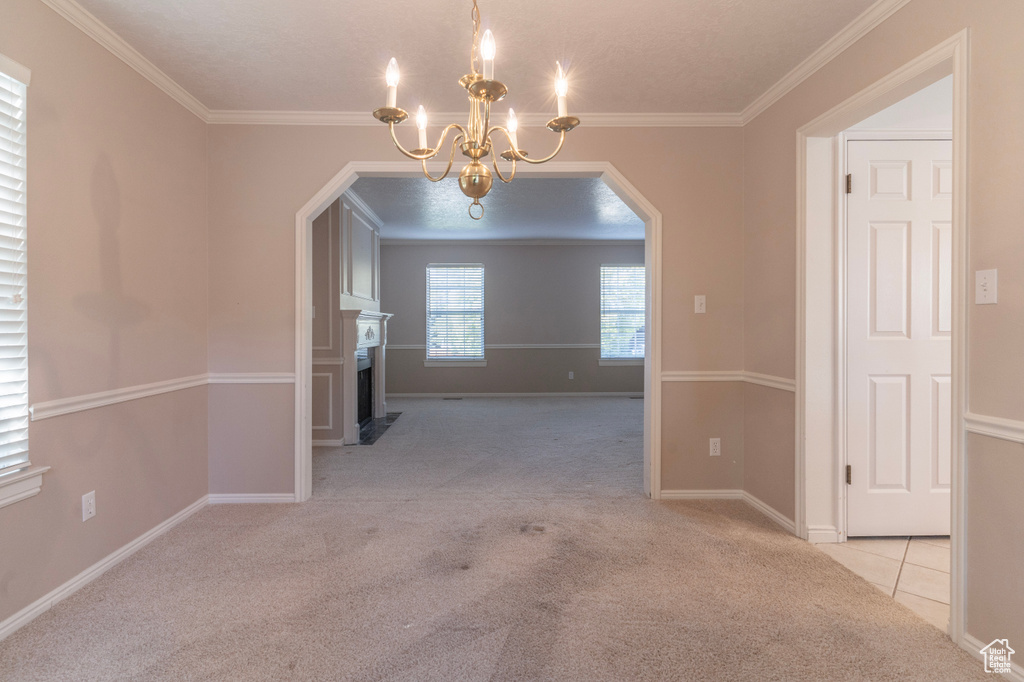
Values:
[(304, 283)]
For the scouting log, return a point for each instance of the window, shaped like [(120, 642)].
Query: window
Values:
[(623, 295), (17, 481), (455, 312)]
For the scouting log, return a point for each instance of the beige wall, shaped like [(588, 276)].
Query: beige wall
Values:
[(130, 196), (534, 295), (117, 289), (995, 551), (995, 370), (261, 175)]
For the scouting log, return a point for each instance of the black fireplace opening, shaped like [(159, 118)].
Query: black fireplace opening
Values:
[(364, 388)]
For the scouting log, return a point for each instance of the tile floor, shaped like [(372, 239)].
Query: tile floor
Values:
[(914, 571)]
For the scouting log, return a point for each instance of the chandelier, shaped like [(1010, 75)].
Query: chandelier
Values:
[(474, 139)]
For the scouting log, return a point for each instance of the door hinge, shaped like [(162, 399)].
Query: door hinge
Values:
[(849, 474), (849, 183)]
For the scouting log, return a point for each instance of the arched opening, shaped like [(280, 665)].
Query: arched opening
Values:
[(304, 283)]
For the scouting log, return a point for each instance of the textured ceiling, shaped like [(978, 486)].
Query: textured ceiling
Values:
[(656, 56), (528, 208)]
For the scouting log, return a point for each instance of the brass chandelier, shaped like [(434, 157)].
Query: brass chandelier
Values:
[(474, 139)]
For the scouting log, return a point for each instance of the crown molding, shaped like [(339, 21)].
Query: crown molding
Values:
[(854, 31), (98, 31), (363, 118)]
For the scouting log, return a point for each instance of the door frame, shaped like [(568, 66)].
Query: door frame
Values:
[(820, 482), (841, 292), (352, 171)]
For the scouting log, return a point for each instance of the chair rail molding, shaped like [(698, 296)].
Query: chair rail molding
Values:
[(89, 401)]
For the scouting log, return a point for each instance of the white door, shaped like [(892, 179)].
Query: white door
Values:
[(899, 288)]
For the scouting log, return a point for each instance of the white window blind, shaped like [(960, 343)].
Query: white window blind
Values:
[(622, 311), (13, 316), (455, 312)]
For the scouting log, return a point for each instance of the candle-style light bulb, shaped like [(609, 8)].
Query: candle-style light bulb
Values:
[(421, 126), (561, 90), (391, 76), (513, 126), (487, 49)]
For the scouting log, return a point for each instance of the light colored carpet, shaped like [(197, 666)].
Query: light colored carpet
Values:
[(483, 540)]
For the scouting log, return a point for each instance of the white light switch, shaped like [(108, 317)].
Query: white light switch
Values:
[(699, 304), (985, 286)]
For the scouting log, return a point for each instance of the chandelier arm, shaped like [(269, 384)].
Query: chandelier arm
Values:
[(434, 151), (451, 160), (498, 170), (516, 154)]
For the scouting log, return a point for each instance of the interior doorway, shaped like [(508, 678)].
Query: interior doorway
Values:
[(628, 194), (898, 261), (821, 488)]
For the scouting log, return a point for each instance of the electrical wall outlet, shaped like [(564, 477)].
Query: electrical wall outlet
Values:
[(716, 447), (88, 505), (572, 375), (700, 304)]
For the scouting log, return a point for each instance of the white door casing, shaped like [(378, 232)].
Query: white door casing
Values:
[(899, 273)]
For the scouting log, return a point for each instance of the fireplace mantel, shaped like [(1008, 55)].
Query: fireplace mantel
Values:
[(362, 329)]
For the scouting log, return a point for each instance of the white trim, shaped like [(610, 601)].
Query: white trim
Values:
[(813, 142), (333, 443), (98, 31), (772, 513), (513, 242), (620, 362), (897, 134), (973, 646), (62, 406), (17, 71), (360, 205), (823, 534), (43, 604), (344, 179), (768, 380), (328, 362), (743, 495), (247, 498), (580, 394), (994, 427), (854, 31), (701, 494), (252, 377), (21, 485), (454, 363), (365, 119)]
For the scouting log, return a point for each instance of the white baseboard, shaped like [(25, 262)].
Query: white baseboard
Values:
[(43, 604), (337, 443), (702, 494), (754, 502), (973, 646), (259, 498), (823, 534), (623, 394), (772, 513)]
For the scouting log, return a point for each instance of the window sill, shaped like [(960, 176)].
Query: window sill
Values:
[(454, 363), (620, 362), (21, 485)]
